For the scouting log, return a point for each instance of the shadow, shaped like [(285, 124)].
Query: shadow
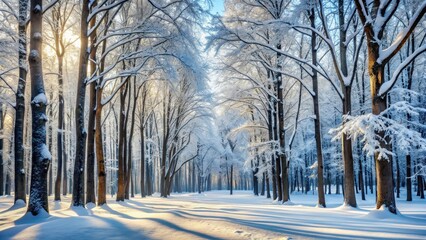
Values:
[(114, 212), (137, 206), (80, 227), (80, 211), (300, 227), (181, 229), (14, 207)]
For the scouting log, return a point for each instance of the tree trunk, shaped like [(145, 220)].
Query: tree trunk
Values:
[(361, 175), (281, 132), (317, 123), (90, 162), (65, 166), (38, 202), (99, 149), (132, 125), (20, 106), (50, 141), (349, 185), (255, 179), (277, 159), (398, 178), (121, 148), (231, 181), (385, 195), (1, 150), (408, 178), (80, 147), (59, 142), (142, 132)]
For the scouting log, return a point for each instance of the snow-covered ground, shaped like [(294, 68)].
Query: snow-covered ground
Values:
[(216, 215)]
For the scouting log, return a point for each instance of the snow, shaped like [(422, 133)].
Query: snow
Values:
[(37, 35), (45, 154), (34, 54), (386, 86), (217, 215), (40, 98), (37, 8)]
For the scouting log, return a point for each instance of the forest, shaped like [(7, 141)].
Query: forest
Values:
[(298, 107)]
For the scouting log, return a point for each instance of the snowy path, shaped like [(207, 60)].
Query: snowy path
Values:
[(216, 215)]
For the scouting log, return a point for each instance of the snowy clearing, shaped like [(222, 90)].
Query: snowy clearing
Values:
[(216, 215)]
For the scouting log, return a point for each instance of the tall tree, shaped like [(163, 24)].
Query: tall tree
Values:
[(317, 123), (90, 161), (80, 149), (20, 104), (375, 18), (40, 154)]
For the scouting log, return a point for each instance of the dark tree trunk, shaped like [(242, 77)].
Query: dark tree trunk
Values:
[(420, 187), (317, 123), (80, 147), (121, 188), (99, 143), (277, 159), (281, 132), (50, 142), (271, 138), (255, 179), (1, 151), (20, 106), (360, 171), (231, 181), (65, 167), (398, 178), (59, 142), (90, 162), (41, 158), (142, 131), (408, 178)]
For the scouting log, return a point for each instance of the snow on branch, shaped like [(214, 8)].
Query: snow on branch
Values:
[(40, 99), (388, 53), (387, 86), (367, 126)]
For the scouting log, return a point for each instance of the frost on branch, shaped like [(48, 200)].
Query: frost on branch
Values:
[(366, 126)]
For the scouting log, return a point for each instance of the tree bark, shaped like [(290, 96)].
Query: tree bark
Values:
[(1, 150), (65, 167), (58, 181), (80, 147), (20, 105), (317, 123), (90, 161), (231, 181), (41, 158), (99, 149), (281, 133)]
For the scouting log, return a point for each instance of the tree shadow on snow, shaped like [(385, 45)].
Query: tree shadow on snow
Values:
[(114, 212), (299, 228), (181, 229)]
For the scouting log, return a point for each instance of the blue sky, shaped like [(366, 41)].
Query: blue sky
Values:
[(217, 6)]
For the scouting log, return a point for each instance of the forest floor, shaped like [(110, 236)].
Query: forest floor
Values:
[(216, 215)]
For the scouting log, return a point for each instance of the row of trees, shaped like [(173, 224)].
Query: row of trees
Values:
[(130, 110), (133, 109), (302, 65)]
